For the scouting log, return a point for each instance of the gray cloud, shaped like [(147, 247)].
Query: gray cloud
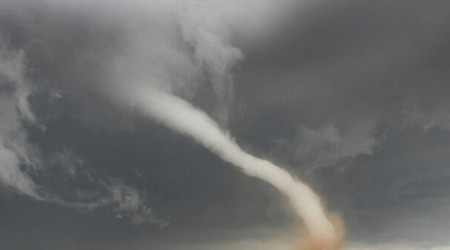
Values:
[(21, 160), (328, 146), (14, 109), (377, 74)]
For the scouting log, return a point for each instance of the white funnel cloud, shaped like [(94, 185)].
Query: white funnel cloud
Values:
[(185, 119)]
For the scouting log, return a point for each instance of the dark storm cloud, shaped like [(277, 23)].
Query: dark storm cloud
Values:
[(352, 94), (39, 52), (381, 68)]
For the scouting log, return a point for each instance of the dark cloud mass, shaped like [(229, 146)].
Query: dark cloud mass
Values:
[(352, 97)]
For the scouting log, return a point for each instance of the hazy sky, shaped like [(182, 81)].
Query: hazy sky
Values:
[(352, 97)]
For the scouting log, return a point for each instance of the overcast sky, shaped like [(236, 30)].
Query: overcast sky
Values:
[(351, 97)]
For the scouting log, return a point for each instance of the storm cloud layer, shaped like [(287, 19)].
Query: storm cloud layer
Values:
[(351, 97)]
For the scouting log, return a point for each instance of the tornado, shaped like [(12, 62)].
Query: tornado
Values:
[(321, 232)]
